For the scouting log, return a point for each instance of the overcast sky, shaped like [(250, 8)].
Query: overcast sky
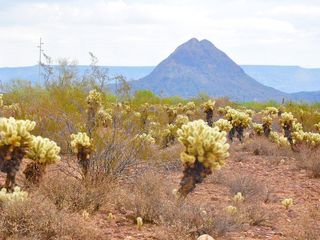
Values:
[(141, 32)]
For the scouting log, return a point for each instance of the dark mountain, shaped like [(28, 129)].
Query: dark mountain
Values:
[(199, 67)]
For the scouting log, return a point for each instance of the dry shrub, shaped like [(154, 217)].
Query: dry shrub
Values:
[(263, 146), (76, 195), (148, 196), (309, 159), (306, 228), (151, 197), (38, 218), (254, 213), (249, 186)]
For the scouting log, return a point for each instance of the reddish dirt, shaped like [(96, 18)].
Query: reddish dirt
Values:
[(282, 178)]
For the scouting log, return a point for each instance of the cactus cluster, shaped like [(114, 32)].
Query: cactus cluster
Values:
[(240, 121), (15, 196), (82, 145), (205, 150), (208, 109), (258, 128), (223, 125)]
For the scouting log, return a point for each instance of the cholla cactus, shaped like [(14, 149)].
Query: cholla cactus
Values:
[(10, 197), (257, 128), (267, 125), (145, 138), (287, 121), (287, 202), (181, 120), (171, 113), (238, 197), (249, 112), (82, 145), (139, 223), (232, 210), (42, 152), (208, 109), (223, 125), (104, 118), (281, 141), (239, 121), (1, 101), (269, 111), (15, 139), (94, 99), (94, 102), (317, 126), (223, 110), (205, 150)]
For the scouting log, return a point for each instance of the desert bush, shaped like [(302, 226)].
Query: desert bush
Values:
[(248, 186), (309, 159), (38, 218), (264, 147), (75, 195)]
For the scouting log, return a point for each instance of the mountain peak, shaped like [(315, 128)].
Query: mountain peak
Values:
[(198, 66)]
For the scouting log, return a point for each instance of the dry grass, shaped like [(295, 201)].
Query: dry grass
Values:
[(76, 195), (262, 146), (37, 218), (309, 159)]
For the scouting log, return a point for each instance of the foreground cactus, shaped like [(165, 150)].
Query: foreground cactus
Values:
[(82, 145), (42, 152), (205, 150), (15, 139)]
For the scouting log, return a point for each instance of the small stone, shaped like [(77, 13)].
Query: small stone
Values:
[(205, 237)]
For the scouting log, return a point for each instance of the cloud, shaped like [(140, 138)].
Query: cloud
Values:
[(141, 32)]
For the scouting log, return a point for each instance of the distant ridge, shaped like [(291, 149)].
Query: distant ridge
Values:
[(199, 67)]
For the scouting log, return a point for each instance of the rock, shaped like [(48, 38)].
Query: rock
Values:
[(205, 237)]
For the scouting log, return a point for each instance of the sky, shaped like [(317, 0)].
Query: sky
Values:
[(143, 33)]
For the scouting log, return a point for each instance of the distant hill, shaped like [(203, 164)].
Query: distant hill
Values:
[(31, 73), (288, 79), (199, 67)]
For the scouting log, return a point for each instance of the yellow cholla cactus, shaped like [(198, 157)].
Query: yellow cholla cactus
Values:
[(145, 138), (238, 118), (1, 100), (223, 125), (15, 133), (269, 111), (104, 118), (312, 138), (181, 120), (238, 197), (279, 140), (249, 112), (139, 222), (317, 126), (267, 120), (257, 128), (79, 141), (223, 110), (287, 118), (209, 105), (231, 210), (203, 143), (190, 106), (94, 99), (296, 127), (287, 202), (15, 196), (43, 151)]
